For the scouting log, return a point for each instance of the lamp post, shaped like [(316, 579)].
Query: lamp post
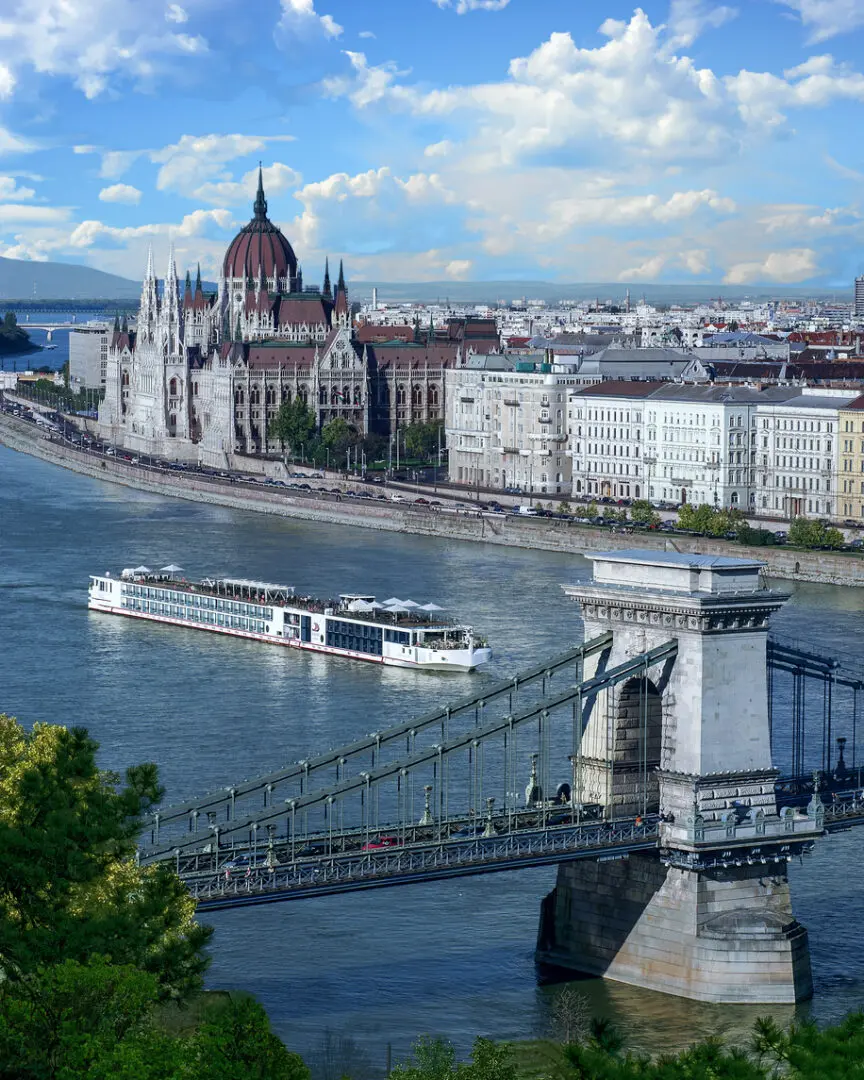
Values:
[(649, 461)]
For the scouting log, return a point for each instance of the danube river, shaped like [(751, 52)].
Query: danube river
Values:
[(450, 958)]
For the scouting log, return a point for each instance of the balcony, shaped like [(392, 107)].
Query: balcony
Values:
[(512, 402)]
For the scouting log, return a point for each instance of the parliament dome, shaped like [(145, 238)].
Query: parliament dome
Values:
[(260, 244)]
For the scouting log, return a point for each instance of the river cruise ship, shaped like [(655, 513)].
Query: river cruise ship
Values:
[(399, 633)]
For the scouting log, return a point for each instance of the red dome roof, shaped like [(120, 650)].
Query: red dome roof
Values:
[(260, 244)]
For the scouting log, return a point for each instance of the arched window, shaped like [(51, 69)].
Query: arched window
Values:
[(172, 388), (400, 395), (385, 395), (434, 395), (334, 396), (255, 395), (322, 395), (286, 395), (124, 379), (271, 396), (239, 396), (416, 395), (356, 395)]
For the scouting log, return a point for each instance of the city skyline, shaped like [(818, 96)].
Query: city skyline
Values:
[(679, 141)]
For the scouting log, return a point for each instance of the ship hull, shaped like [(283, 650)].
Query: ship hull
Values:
[(458, 660)]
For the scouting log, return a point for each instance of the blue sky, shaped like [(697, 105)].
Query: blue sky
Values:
[(569, 140)]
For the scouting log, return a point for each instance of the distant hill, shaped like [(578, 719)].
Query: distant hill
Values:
[(21, 279)]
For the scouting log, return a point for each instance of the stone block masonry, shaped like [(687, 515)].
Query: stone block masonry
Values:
[(700, 935), (540, 533)]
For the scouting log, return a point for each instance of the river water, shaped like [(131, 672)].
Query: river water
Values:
[(453, 958)]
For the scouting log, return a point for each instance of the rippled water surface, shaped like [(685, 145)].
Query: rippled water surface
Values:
[(454, 958)]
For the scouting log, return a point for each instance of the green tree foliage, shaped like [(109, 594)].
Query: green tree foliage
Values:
[(294, 426), (69, 886), (421, 440), (806, 533), (643, 513), (755, 537), (102, 1021), (13, 339), (709, 520), (591, 510), (435, 1059), (338, 436)]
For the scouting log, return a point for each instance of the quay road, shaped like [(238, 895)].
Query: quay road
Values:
[(433, 498)]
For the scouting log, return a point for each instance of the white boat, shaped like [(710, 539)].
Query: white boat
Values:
[(399, 633)]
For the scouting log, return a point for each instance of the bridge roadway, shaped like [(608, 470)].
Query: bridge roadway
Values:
[(354, 862)]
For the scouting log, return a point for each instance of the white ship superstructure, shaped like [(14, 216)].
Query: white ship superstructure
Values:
[(399, 633)]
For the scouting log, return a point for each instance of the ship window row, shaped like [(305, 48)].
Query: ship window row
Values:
[(208, 618), (401, 637), (353, 636), (195, 600)]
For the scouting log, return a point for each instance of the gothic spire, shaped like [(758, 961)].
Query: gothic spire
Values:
[(326, 290), (124, 326), (340, 285), (198, 279), (260, 206), (117, 322)]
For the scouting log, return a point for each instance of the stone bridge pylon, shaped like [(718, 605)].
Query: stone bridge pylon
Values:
[(711, 918)]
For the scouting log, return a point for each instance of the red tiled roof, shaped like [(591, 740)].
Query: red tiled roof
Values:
[(622, 388)]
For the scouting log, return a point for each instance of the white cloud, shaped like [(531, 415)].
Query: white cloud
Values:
[(843, 170), (439, 149), (696, 261), (688, 19), (7, 82), (826, 18), (195, 224), (117, 162), (795, 218), (462, 7), (278, 179), (120, 193), (57, 38), (31, 214), (779, 267), (618, 210), (366, 34), (14, 144), (761, 96), (300, 19), (458, 269), (195, 160), (646, 271), (10, 190), (176, 14)]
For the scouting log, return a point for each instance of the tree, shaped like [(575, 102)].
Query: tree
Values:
[(435, 1059), (294, 425), (236, 1043), (709, 520), (570, 1017), (338, 435), (807, 533), (69, 885), (564, 507), (92, 1020), (643, 513), (591, 510), (421, 440)]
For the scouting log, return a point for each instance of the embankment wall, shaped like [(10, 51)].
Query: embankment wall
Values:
[(542, 533)]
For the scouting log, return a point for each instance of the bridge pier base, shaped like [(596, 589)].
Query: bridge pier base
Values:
[(723, 935)]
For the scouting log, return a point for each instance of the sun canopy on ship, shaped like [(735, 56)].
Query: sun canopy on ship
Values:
[(171, 568)]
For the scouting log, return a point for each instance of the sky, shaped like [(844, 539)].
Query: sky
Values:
[(433, 140)]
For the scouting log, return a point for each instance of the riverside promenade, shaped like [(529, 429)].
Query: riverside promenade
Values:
[(547, 534)]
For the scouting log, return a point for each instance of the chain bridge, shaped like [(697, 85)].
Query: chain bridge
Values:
[(670, 766)]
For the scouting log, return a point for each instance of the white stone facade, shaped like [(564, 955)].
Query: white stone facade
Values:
[(798, 454), (507, 428)]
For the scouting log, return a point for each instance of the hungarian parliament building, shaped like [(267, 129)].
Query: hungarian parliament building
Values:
[(202, 375)]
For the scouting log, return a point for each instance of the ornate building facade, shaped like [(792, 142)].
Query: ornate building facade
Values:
[(202, 375)]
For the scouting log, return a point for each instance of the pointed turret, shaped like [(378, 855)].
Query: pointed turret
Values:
[(340, 306), (299, 278), (198, 302), (148, 313), (326, 291), (171, 318), (431, 338), (187, 292), (117, 322), (260, 205), (124, 326)]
